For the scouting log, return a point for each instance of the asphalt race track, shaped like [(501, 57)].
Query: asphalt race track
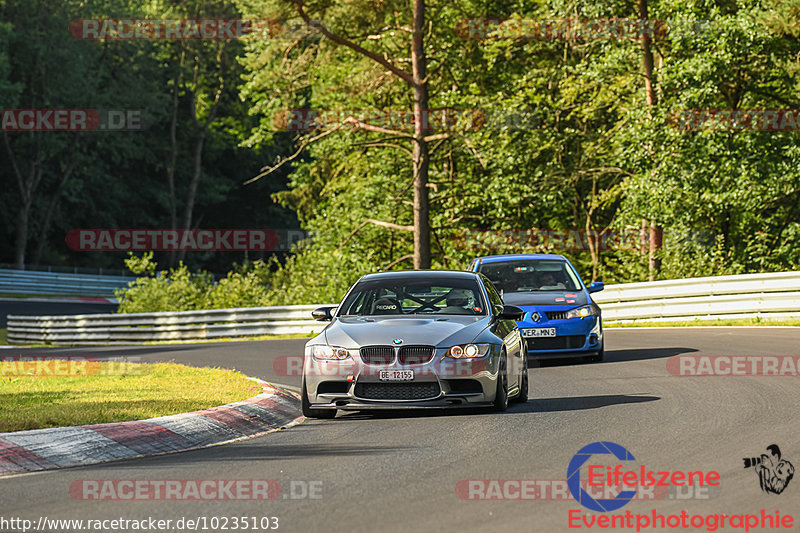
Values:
[(399, 472)]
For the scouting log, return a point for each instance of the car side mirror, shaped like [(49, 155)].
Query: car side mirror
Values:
[(510, 312), (597, 286), (323, 314)]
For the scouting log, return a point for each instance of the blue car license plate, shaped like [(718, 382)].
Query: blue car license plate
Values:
[(539, 332)]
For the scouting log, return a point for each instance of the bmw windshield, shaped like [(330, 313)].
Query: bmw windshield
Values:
[(407, 296), (531, 275)]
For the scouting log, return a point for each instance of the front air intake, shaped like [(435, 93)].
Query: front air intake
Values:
[(416, 355), (377, 355)]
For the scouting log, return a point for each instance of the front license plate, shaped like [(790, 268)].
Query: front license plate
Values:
[(396, 375), (539, 332)]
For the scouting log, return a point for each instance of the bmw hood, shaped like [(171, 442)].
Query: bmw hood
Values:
[(441, 331), (533, 298)]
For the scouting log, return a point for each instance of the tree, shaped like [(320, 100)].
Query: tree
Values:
[(37, 53), (417, 81)]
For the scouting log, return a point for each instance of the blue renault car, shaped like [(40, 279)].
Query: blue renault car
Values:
[(560, 319)]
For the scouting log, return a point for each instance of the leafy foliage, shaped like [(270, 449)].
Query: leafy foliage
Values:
[(118, 179), (178, 289)]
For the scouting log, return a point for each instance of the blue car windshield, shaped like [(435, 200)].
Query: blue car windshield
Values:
[(404, 296), (526, 275)]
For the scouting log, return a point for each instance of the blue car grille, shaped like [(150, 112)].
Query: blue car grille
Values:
[(556, 315), (564, 342)]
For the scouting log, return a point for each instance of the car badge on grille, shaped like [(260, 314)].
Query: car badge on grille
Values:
[(397, 341), (536, 316)]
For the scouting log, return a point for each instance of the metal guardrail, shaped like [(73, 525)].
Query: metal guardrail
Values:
[(64, 269), (34, 282), (775, 295), (130, 328), (771, 295)]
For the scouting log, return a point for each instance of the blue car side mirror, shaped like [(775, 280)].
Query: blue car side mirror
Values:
[(597, 286)]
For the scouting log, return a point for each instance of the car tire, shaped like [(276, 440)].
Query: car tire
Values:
[(501, 393), (308, 412), (522, 397), (598, 357)]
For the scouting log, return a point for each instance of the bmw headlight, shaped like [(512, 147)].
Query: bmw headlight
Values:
[(468, 351), (329, 353), (581, 312)]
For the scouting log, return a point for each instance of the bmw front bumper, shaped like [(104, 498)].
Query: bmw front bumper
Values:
[(444, 382)]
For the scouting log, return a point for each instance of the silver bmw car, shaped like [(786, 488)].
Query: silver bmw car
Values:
[(415, 339)]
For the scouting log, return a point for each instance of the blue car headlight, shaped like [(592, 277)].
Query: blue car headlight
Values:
[(582, 312)]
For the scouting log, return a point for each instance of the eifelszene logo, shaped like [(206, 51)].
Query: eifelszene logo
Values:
[(774, 473), (574, 476), (614, 477), (607, 468)]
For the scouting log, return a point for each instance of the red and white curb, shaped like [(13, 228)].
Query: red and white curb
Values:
[(44, 449)]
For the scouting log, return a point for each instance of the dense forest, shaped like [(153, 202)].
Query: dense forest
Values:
[(182, 164), (414, 134)]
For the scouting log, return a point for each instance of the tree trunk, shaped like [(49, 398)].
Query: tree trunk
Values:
[(54, 199), (197, 163), (23, 215), (655, 245), (647, 59), (45, 229), (173, 156), (191, 195), (48, 215), (589, 236), (643, 238), (654, 264), (26, 186), (420, 155), (422, 229), (592, 244)]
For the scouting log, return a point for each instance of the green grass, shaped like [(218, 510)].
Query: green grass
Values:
[(748, 322), (98, 392)]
